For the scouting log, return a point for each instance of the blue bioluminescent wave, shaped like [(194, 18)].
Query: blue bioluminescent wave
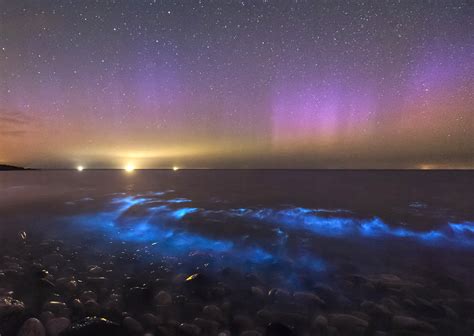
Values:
[(146, 218), (158, 225), (314, 221)]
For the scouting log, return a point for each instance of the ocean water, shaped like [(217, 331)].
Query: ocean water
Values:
[(399, 241), (311, 222)]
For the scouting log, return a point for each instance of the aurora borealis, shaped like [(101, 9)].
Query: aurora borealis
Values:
[(237, 84)]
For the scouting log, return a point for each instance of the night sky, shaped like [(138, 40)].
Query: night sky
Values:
[(237, 84)]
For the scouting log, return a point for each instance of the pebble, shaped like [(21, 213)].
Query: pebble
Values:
[(214, 313), (92, 308), (163, 298), (32, 327), (133, 326), (410, 323), (57, 325), (189, 329), (54, 306), (347, 323), (93, 326)]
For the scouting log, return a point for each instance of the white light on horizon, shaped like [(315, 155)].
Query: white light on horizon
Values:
[(175, 168), (129, 168), (80, 168)]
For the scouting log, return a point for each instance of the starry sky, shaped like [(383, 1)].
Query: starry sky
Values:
[(237, 84)]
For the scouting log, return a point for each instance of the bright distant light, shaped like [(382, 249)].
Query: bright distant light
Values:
[(80, 168), (129, 168), (175, 168)]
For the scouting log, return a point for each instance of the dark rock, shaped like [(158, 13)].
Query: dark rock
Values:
[(32, 327), (132, 326), (279, 295), (306, 298), (207, 326), (348, 324), (94, 326), (54, 306), (163, 298), (278, 329), (213, 312), (189, 329), (56, 326), (91, 308), (411, 324)]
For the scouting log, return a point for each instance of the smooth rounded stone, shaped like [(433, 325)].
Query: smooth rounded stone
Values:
[(250, 333), (88, 295), (319, 323), (54, 306), (374, 309), (411, 324), (361, 315), (278, 329), (133, 326), (450, 313), (207, 326), (94, 326), (57, 325), (278, 294), (70, 286), (257, 292), (32, 327), (95, 270), (163, 298), (150, 321), (189, 329), (242, 322), (77, 307), (214, 313), (92, 308), (265, 316), (45, 316), (348, 323), (224, 333), (307, 298)]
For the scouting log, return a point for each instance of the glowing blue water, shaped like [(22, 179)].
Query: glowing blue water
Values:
[(148, 219)]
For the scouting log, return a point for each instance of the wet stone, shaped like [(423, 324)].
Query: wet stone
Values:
[(411, 324), (91, 308), (32, 327), (214, 313), (94, 326), (132, 326), (163, 298), (54, 306), (189, 329), (348, 323), (207, 326), (56, 326)]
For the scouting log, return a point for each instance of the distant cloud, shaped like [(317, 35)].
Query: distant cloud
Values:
[(13, 123)]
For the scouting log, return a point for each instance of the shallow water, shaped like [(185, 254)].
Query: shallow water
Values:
[(292, 229)]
